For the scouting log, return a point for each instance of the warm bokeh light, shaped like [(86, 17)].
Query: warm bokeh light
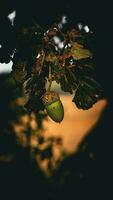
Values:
[(76, 124)]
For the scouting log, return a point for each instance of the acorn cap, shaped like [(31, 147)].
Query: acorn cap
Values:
[(50, 97)]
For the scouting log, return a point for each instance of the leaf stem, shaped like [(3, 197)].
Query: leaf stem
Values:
[(50, 78)]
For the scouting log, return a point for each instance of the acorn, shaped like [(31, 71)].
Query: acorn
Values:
[(53, 106)]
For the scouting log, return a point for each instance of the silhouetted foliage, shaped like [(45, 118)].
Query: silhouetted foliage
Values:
[(81, 174)]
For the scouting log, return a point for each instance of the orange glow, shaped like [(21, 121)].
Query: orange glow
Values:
[(76, 124)]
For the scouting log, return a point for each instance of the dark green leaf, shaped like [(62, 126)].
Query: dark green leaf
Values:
[(87, 93)]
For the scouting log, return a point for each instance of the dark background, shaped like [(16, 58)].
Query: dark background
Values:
[(20, 177)]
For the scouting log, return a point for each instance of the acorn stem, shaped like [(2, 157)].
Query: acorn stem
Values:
[(50, 79)]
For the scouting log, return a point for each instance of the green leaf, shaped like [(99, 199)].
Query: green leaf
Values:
[(79, 52)]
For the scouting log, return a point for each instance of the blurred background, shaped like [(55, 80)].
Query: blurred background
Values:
[(86, 135)]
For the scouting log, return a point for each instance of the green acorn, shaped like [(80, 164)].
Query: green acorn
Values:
[(53, 106)]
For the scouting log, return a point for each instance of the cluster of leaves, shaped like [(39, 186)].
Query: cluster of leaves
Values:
[(72, 65)]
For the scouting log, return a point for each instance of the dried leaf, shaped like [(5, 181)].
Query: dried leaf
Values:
[(87, 93)]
